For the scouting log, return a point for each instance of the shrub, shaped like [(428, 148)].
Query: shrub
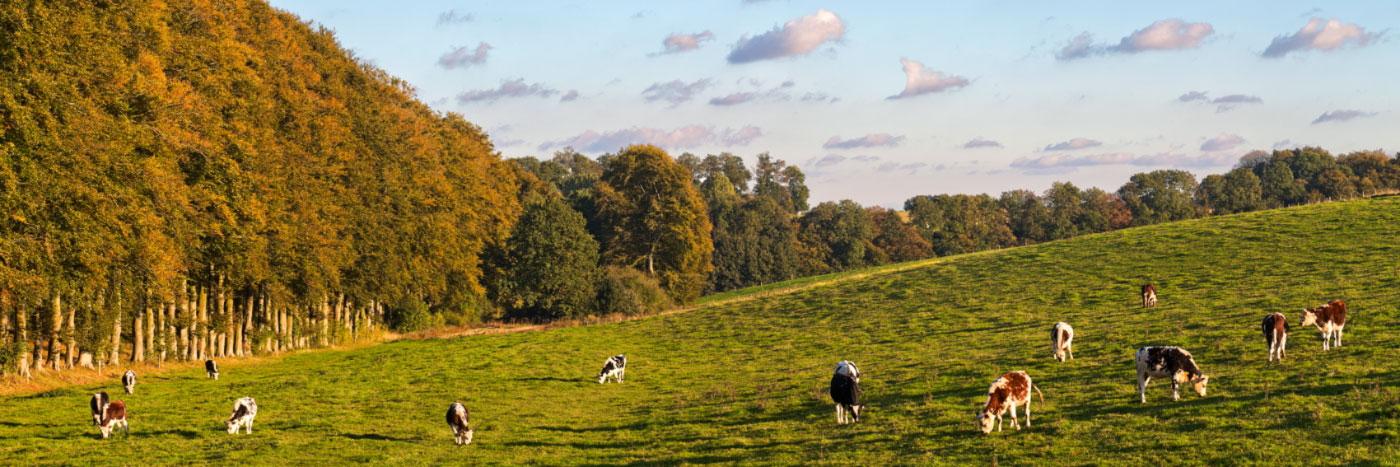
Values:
[(630, 292), (410, 314)]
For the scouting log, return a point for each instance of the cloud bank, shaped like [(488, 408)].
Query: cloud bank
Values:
[(797, 37), (1063, 162), (686, 137)]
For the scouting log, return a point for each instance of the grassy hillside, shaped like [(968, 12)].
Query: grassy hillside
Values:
[(744, 380)]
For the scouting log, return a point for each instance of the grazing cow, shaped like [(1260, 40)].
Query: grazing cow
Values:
[(1061, 340), (99, 406), (129, 381), (1168, 362), (244, 410), (112, 416), (1276, 335), (458, 419), (615, 367), (1149, 295), (211, 369), (845, 391), (1329, 319), (1007, 391)]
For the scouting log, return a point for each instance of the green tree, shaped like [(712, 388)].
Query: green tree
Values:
[(895, 239), (1278, 185), (1160, 196), (834, 236), (550, 264)]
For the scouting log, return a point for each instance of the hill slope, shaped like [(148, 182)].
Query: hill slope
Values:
[(744, 381)]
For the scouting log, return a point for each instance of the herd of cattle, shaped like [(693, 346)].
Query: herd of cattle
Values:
[(1006, 392)]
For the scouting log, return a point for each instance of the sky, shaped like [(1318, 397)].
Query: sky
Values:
[(882, 101)]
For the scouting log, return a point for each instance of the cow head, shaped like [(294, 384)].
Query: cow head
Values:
[(1309, 318), (986, 421), (1199, 384), (602, 377), (468, 435)]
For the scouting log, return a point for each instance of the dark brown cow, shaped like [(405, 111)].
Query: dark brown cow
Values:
[(112, 417), (1329, 319), (1276, 335), (1008, 391), (1149, 295)]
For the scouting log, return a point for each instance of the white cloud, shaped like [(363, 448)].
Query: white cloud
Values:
[(1341, 116), (918, 81), (508, 88), (868, 141), (1076, 143), (675, 92), (463, 57), (978, 142), (1319, 35), (797, 37), (686, 137), (676, 43), (1167, 34), (1224, 142)]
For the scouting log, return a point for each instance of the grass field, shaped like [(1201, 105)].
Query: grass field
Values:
[(743, 380)]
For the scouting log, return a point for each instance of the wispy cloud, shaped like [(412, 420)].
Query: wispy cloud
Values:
[(797, 37), (1222, 103), (463, 57), (677, 42), (1193, 96), (451, 17), (909, 168), (1341, 116), (819, 97), (675, 92), (686, 137), (734, 99), (872, 140), (978, 142), (1076, 143), (829, 160), (570, 96), (918, 81), (778, 92), (1224, 142), (1167, 34), (1080, 46), (1061, 163), (1319, 34), (508, 89)]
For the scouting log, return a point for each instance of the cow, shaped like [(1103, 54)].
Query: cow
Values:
[(1007, 391), (1149, 296), (1329, 319), (615, 366), (244, 410), (112, 416), (1168, 362), (1061, 341), (845, 391), (129, 381), (1276, 335), (211, 369), (458, 419), (99, 406)]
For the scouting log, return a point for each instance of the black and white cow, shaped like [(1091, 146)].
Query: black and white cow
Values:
[(211, 369), (1169, 362), (845, 391), (615, 367), (99, 406), (459, 420), (1062, 341), (244, 410), (113, 415), (129, 381)]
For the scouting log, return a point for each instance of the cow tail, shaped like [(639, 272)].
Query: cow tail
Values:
[(1038, 393)]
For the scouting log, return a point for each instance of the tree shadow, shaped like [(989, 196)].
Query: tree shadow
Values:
[(187, 434), (374, 436), (553, 379)]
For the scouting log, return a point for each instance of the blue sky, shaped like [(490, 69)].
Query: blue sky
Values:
[(880, 103)]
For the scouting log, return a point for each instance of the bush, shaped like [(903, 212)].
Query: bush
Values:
[(630, 292), (410, 314)]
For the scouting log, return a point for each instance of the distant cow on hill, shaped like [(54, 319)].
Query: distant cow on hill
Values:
[(459, 420), (1006, 392), (244, 411), (129, 381), (1276, 335), (845, 391), (211, 369), (99, 406), (1061, 341), (114, 415), (1329, 319), (1169, 362), (1149, 295), (615, 367)]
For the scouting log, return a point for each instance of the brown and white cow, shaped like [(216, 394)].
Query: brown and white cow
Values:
[(1169, 362), (1061, 340), (1329, 319), (459, 420), (114, 415), (1006, 392), (1149, 295), (1276, 335)]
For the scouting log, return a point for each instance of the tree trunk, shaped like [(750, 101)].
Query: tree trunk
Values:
[(71, 350), (202, 332), (22, 336), (183, 318), (325, 320), (138, 340), (243, 348), (56, 315), (114, 355), (162, 310)]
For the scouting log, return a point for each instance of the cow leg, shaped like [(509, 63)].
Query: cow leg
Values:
[(838, 413), (1028, 408), (250, 426), (1142, 386), (1014, 422), (1070, 350), (1339, 337), (1176, 396), (998, 422), (1283, 347)]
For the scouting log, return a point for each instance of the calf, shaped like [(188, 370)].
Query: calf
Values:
[(114, 415), (1149, 296), (1168, 362), (1329, 319), (211, 369), (457, 419), (129, 381), (845, 391), (1007, 391), (615, 367), (244, 410), (1061, 340), (99, 406), (1276, 335)]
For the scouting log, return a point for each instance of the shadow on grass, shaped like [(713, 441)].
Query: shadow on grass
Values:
[(187, 434), (555, 379), (373, 436)]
